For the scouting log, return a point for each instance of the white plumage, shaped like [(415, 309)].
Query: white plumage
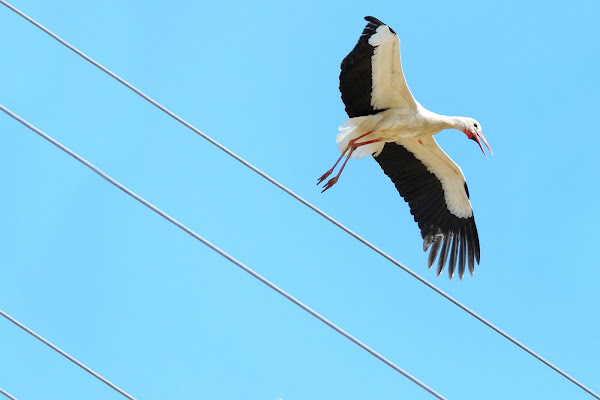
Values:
[(389, 85), (387, 122)]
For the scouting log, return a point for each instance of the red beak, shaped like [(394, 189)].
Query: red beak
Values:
[(478, 136)]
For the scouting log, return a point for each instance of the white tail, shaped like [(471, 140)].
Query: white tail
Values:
[(353, 128)]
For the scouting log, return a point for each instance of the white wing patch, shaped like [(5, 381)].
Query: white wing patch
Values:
[(426, 150), (389, 85)]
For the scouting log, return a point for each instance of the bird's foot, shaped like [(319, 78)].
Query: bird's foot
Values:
[(330, 183), (325, 176)]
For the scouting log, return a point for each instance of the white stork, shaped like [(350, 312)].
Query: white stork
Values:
[(387, 122)]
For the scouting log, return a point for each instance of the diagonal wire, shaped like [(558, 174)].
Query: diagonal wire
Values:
[(5, 393), (212, 247), (62, 352), (300, 199)]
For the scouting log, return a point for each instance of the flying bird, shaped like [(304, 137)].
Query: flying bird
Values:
[(388, 123)]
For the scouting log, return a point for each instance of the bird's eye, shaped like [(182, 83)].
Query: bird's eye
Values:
[(475, 125)]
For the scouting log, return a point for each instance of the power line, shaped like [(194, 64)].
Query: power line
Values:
[(212, 247), (4, 392), (300, 199), (62, 352)]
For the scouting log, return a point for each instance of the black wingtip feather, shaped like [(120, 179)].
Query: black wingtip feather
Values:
[(453, 256), (435, 248), (427, 240), (471, 259), (370, 18), (444, 254), (462, 258), (476, 239), (377, 22)]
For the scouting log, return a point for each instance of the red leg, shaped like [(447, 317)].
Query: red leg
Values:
[(355, 146), (350, 145), (326, 174)]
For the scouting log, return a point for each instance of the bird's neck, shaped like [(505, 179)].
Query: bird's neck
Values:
[(441, 122)]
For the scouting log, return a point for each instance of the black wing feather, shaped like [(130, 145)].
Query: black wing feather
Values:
[(453, 255), (440, 228), (356, 77), (462, 258)]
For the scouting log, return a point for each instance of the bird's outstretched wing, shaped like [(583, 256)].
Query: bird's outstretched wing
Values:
[(372, 79), (436, 191)]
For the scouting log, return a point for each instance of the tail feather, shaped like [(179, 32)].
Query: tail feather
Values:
[(353, 128)]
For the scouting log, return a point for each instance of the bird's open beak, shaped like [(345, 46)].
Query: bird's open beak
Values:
[(478, 137)]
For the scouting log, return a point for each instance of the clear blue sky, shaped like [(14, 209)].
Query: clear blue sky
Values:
[(164, 317)]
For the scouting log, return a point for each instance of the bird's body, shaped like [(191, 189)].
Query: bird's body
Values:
[(391, 125), (388, 123)]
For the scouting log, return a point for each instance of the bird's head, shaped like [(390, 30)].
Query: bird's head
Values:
[(472, 129)]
